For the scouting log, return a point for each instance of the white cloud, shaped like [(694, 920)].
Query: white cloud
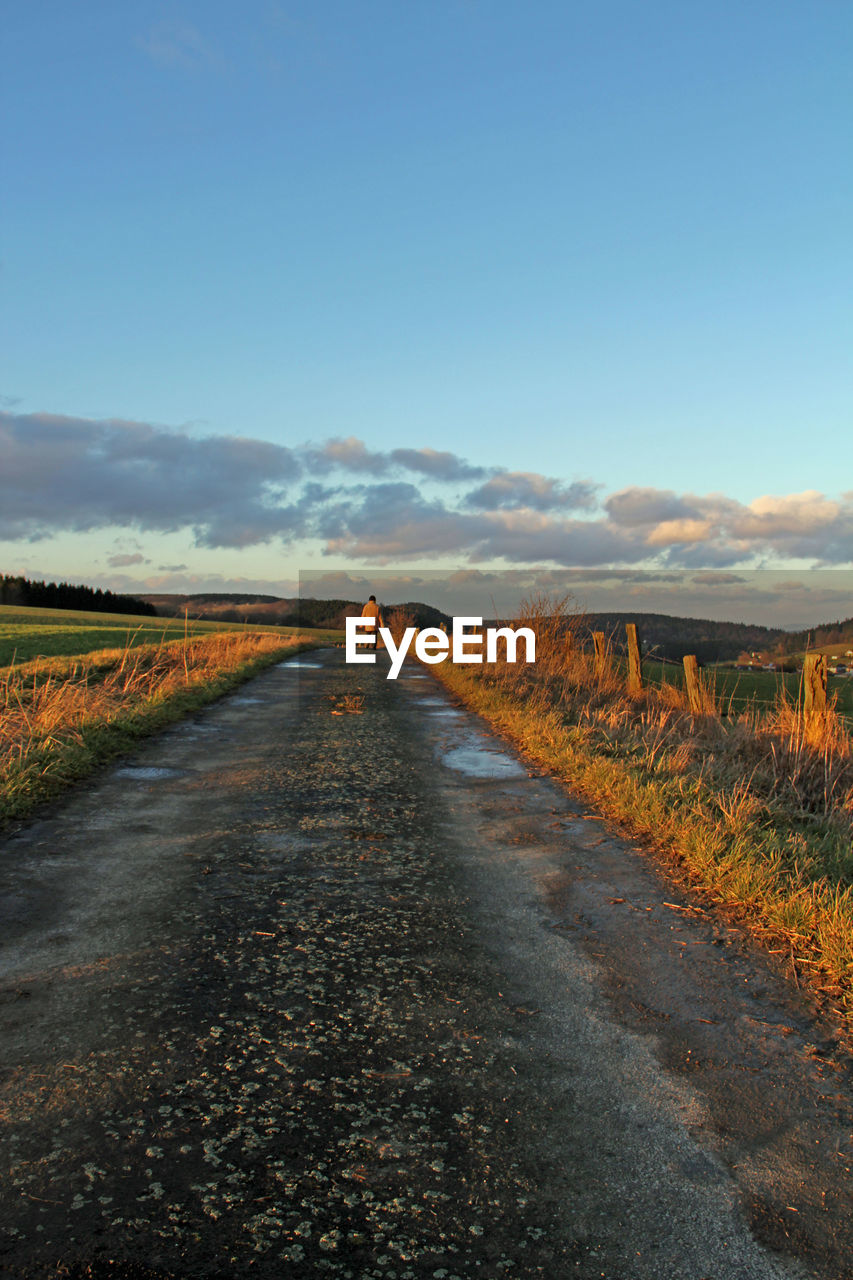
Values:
[(794, 513), (674, 532)]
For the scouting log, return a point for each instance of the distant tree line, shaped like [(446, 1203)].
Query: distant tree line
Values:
[(64, 595), (671, 638), (840, 633)]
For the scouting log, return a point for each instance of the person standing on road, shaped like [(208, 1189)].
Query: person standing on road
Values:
[(371, 610)]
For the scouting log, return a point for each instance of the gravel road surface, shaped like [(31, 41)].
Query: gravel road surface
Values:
[(317, 987)]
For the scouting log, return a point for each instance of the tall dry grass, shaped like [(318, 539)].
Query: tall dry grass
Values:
[(756, 809), (60, 716), (802, 764), (397, 620)]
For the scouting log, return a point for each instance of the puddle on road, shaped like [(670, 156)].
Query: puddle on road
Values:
[(430, 702), (294, 662), (247, 702), (147, 772), (479, 762), (448, 713)]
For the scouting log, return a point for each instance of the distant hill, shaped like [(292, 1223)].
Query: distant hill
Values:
[(671, 638), (828, 633), (281, 611), (664, 636)]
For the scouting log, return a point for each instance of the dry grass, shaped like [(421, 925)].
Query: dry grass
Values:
[(397, 621), (350, 704), (61, 716), (757, 811)]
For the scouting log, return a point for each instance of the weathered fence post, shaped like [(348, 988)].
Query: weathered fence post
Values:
[(693, 684), (570, 643), (814, 686), (635, 666), (600, 653)]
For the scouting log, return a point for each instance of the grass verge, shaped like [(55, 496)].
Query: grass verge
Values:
[(754, 845), (61, 718)]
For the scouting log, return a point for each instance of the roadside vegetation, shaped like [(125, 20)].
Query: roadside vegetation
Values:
[(759, 692), (753, 808), (61, 716)]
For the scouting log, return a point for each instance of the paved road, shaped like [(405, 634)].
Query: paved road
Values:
[(299, 991)]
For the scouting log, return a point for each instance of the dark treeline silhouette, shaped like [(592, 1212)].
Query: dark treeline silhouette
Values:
[(819, 637), (670, 638), (664, 636), (64, 595)]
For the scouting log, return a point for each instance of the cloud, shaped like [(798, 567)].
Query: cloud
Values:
[(436, 465), (526, 489), (395, 520), (75, 474), (351, 454), (122, 561), (636, 507), (793, 513), (717, 579), (671, 532), (61, 475)]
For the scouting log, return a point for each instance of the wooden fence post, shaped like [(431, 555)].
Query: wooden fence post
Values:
[(814, 686), (600, 653), (570, 643), (693, 684), (635, 666)]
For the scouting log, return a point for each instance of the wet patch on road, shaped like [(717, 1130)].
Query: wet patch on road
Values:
[(482, 762), (147, 772)]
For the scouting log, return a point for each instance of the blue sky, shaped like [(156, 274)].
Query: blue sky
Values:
[(601, 253)]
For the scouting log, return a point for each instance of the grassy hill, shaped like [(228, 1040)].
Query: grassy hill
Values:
[(27, 633)]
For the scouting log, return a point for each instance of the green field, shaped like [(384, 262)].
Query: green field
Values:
[(47, 633), (738, 690)]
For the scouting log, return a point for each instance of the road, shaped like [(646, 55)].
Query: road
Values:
[(326, 982)]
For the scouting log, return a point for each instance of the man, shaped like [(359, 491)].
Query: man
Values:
[(371, 610)]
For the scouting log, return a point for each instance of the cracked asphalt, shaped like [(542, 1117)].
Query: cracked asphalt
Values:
[(325, 981)]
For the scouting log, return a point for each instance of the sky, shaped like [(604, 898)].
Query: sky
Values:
[(329, 290)]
